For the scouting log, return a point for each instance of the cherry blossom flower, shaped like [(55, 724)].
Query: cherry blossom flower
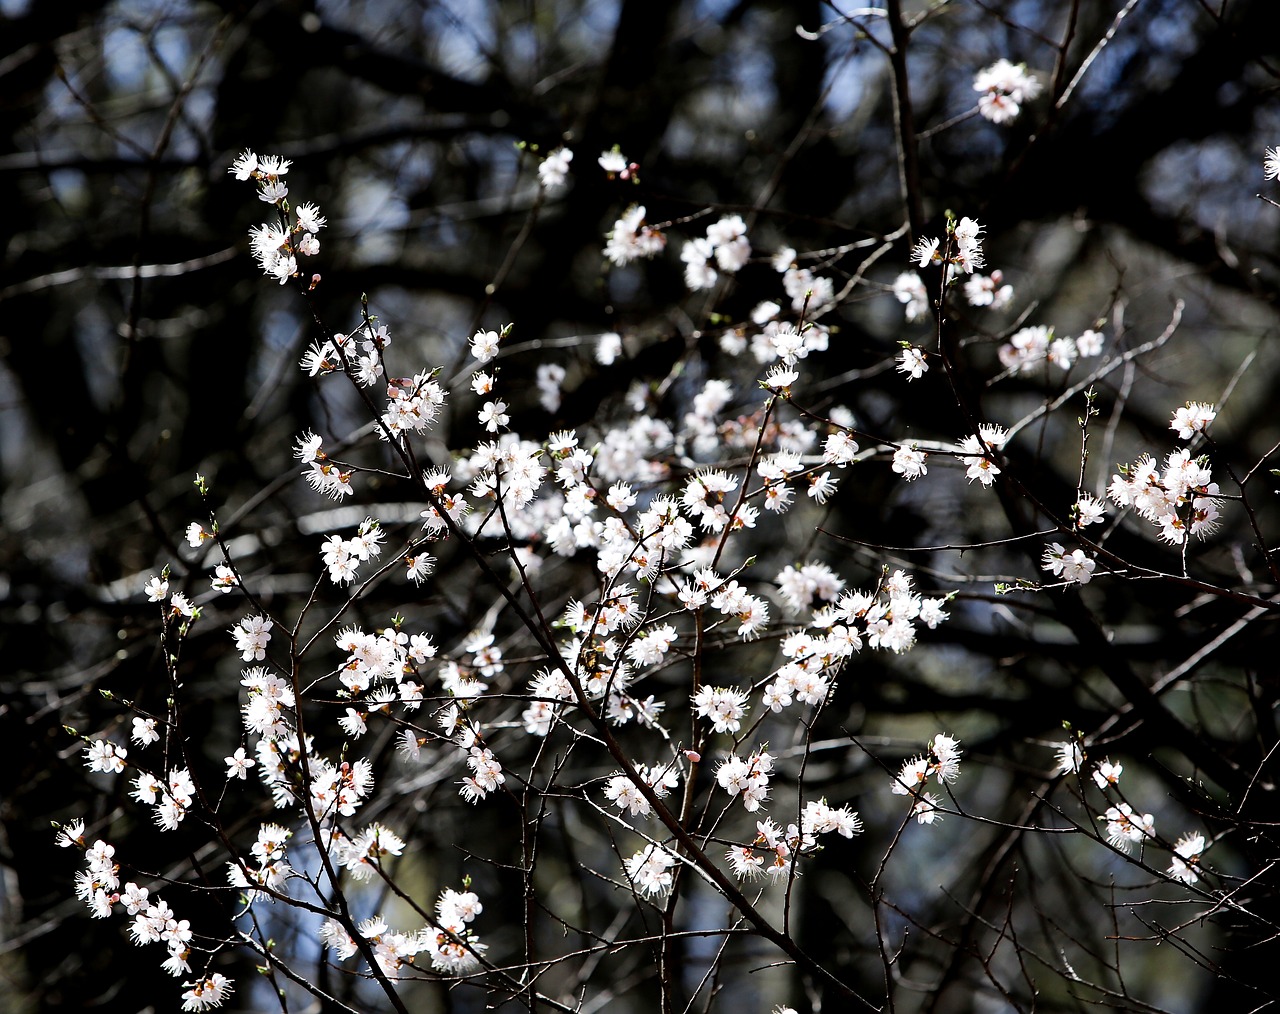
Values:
[(1089, 510), (1125, 827), (650, 870), (1071, 758), (144, 731), (207, 993), (1089, 344), (104, 755), (988, 290), (908, 462), (1192, 418), (1075, 567), (553, 171), (910, 291), (911, 361), (252, 634), (1107, 774), (1187, 851), (484, 345), (1005, 88), (631, 238), (245, 165), (238, 764)]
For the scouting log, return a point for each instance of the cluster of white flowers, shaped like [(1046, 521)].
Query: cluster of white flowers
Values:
[(654, 513), (412, 405), (625, 794), (277, 245), (908, 288), (338, 789), (725, 242), (724, 707), (549, 379), (486, 774), (810, 294), (270, 868), (252, 634), (631, 238), (1074, 566), (1004, 89), (553, 171), (748, 778), (942, 762), (153, 921), (208, 993), (988, 290), (343, 556), (267, 703), (912, 362), (963, 248), (1125, 825), (1185, 861), (1032, 347), (321, 474), (650, 870), (979, 290), (172, 797), (362, 855), (616, 165), (451, 944), (358, 354), (775, 853), (977, 451), (1194, 417), (1182, 500)]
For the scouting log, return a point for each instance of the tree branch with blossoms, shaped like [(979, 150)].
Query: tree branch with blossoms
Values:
[(616, 677)]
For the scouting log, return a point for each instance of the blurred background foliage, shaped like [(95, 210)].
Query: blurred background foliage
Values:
[(140, 346)]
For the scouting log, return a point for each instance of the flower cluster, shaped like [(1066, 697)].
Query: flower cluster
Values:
[(1126, 826), (362, 855), (725, 242), (963, 248), (988, 290), (625, 794), (977, 452), (277, 245), (358, 354), (1182, 500), (774, 853), (650, 870), (342, 556), (252, 634), (748, 778), (1074, 566), (1004, 89), (616, 165), (942, 762), (153, 921), (450, 943), (553, 171), (666, 515), (1030, 348), (267, 867), (631, 238)]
